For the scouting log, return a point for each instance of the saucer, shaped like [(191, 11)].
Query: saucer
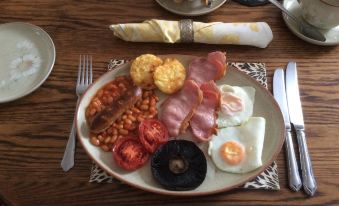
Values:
[(27, 56), (332, 35), (190, 8)]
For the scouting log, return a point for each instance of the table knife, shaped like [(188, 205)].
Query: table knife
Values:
[(280, 96), (296, 117)]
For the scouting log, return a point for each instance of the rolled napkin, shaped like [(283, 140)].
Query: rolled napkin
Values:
[(257, 34)]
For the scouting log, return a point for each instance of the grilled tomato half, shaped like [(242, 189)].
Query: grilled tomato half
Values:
[(129, 153), (152, 134)]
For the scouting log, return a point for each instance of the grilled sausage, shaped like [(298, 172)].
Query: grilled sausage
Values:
[(104, 119)]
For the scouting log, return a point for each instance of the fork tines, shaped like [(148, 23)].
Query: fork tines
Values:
[(85, 70)]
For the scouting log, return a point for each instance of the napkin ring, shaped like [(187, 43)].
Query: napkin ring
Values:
[(186, 31)]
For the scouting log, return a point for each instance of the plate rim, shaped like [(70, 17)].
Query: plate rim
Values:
[(190, 193), (191, 14), (48, 37)]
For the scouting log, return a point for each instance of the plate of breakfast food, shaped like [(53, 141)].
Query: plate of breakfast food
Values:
[(191, 7), (180, 125)]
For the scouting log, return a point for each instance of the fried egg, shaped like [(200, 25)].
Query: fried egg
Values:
[(239, 149), (236, 105)]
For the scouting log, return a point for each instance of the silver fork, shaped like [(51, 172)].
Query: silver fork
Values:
[(84, 80)]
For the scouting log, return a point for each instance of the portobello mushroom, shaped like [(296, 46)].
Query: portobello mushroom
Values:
[(179, 165)]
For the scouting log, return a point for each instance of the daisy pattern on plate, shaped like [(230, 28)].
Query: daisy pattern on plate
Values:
[(26, 62), (25, 45), (24, 66)]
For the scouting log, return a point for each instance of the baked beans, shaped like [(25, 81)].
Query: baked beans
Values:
[(128, 122), (107, 94)]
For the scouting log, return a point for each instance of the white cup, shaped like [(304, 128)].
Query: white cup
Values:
[(323, 14)]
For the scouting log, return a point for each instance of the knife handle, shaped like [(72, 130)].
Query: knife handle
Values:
[(310, 185), (293, 171)]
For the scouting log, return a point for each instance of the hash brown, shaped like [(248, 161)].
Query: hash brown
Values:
[(142, 69), (170, 76)]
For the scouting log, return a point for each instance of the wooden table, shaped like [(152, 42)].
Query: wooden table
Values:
[(34, 130)]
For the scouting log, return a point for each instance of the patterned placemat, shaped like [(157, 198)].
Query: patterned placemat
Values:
[(266, 180)]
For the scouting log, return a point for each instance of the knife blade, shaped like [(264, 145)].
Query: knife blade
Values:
[(296, 117), (280, 96)]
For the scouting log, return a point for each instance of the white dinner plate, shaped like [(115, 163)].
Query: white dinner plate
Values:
[(190, 8), (216, 180), (27, 56), (332, 35)]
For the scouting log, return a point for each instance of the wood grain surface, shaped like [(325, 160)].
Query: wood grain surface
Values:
[(34, 130)]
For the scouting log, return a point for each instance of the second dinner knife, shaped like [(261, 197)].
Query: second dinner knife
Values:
[(280, 96), (296, 117)]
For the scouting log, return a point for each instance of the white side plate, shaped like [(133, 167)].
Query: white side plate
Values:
[(27, 56)]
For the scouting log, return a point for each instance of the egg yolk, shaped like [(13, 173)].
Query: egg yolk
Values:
[(231, 104), (232, 152)]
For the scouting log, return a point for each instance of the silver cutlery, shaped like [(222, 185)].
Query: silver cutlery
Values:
[(296, 117), (304, 27), (280, 96), (84, 80)]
